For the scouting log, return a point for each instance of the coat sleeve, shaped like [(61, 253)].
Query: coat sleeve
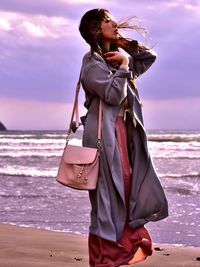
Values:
[(140, 59), (99, 80)]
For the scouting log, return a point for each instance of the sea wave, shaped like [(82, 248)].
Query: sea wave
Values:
[(174, 137), (51, 172), (180, 175), (50, 153), (177, 157), (30, 154), (28, 172), (10, 141), (157, 136), (6, 142)]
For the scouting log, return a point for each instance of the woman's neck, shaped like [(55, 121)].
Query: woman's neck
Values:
[(106, 45)]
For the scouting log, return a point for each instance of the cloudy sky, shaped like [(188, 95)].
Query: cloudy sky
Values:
[(41, 52)]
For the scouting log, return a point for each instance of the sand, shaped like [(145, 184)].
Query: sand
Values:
[(28, 247)]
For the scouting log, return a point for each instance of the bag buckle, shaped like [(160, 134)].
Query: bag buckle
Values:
[(98, 144)]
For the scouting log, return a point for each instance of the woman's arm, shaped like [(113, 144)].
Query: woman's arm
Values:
[(100, 81), (141, 57)]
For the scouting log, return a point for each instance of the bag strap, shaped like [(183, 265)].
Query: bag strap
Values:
[(76, 113)]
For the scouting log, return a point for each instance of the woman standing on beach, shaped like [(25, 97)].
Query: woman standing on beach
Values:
[(128, 193)]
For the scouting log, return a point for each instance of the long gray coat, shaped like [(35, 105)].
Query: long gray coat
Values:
[(147, 199)]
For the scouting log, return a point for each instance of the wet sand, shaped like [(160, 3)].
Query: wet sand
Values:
[(28, 247)]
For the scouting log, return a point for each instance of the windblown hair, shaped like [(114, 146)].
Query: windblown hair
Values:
[(90, 29), (127, 24)]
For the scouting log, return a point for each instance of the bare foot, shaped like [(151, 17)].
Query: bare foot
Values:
[(138, 256)]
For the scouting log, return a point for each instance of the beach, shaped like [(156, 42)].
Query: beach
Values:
[(28, 247)]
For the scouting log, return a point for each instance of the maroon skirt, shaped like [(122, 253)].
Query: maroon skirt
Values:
[(106, 253)]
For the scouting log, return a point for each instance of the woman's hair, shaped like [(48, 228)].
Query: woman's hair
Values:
[(90, 29)]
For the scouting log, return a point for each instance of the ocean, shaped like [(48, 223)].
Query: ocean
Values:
[(31, 197)]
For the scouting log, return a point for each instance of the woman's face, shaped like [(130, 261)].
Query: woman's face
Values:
[(109, 28)]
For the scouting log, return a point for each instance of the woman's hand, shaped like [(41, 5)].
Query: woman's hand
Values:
[(116, 57)]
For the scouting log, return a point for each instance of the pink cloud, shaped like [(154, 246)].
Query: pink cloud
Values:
[(180, 113), (35, 115)]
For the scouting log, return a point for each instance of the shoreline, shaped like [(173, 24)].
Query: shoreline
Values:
[(85, 235), (32, 247)]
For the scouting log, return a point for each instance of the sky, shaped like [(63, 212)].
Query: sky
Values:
[(41, 54)]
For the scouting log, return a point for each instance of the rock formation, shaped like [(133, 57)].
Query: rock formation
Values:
[(2, 127)]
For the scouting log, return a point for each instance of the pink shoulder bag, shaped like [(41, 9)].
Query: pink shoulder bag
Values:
[(79, 166)]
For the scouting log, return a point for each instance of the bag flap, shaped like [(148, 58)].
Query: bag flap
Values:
[(79, 155)]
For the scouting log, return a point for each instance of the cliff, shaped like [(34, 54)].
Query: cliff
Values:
[(2, 127)]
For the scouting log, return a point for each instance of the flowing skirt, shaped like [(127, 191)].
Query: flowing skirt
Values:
[(106, 253)]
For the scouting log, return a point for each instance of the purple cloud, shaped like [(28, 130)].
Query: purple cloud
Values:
[(41, 49)]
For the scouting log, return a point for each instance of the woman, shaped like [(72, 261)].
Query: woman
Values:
[(128, 193)]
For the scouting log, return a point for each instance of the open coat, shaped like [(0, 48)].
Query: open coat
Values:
[(147, 199)]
